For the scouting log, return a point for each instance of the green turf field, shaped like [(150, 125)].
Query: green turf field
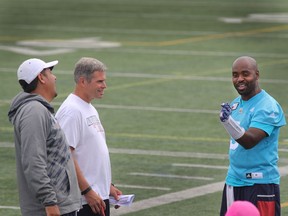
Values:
[(168, 72)]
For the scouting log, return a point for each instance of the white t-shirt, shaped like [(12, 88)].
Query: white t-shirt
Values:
[(84, 132)]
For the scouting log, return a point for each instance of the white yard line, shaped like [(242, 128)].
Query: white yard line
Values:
[(283, 150), (113, 30), (10, 207), (175, 154), (155, 152), (6, 145), (144, 108), (184, 77), (195, 53), (170, 198), (177, 196), (168, 153), (143, 187), (171, 176), (161, 109), (199, 166), (166, 198), (159, 76), (33, 52)]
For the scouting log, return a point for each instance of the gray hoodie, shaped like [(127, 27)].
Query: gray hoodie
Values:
[(45, 169)]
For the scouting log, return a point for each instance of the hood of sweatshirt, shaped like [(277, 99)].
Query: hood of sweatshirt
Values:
[(23, 98)]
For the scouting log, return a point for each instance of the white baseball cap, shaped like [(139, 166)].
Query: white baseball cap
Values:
[(30, 69)]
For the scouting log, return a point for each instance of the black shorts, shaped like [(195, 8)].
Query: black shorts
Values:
[(266, 197)]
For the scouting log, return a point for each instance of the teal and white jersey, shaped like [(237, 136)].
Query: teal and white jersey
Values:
[(260, 163)]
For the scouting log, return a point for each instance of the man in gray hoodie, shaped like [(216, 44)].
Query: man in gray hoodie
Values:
[(45, 170)]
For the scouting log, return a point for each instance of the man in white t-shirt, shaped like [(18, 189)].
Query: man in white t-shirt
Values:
[(82, 126)]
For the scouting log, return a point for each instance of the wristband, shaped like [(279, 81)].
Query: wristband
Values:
[(233, 128), (86, 190)]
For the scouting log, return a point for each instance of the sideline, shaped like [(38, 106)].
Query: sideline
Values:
[(170, 197), (179, 196)]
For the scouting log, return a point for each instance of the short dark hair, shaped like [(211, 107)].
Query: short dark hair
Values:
[(31, 86)]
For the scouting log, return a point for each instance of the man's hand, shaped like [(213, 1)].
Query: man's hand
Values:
[(225, 112), (52, 210), (95, 202), (115, 192), (232, 127)]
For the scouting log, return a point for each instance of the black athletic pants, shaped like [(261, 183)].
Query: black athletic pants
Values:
[(87, 211), (266, 197)]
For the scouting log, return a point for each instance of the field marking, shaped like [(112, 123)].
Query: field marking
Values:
[(200, 139), (209, 37), (176, 154), (179, 196), (285, 204), (158, 77), (170, 176), (158, 109), (165, 137), (77, 43), (143, 187), (168, 153), (101, 30), (260, 18), (160, 153), (263, 17), (59, 46), (150, 152), (161, 109), (33, 52), (196, 53), (283, 150), (143, 108), (148, 82), (170, 198), (7, 145), (10, 207), (162, 137), (199, 166), (30, 51)]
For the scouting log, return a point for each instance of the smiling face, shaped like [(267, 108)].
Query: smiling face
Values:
[(245, 77), (94, 88)]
